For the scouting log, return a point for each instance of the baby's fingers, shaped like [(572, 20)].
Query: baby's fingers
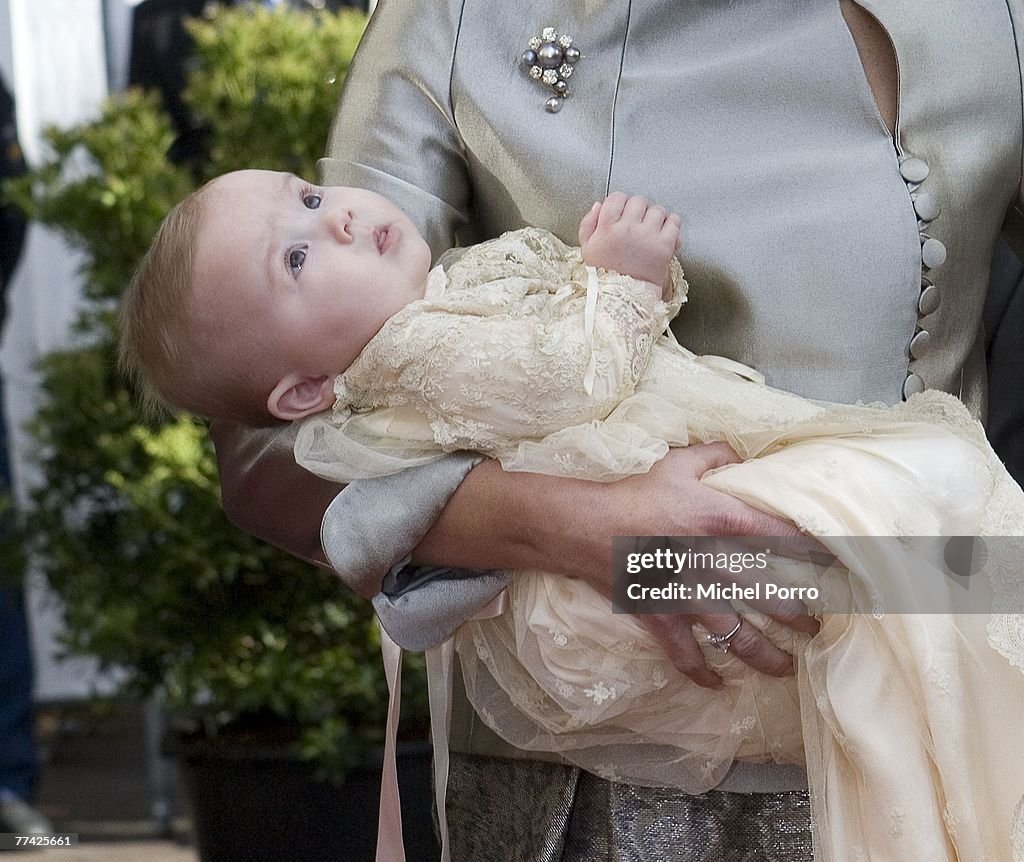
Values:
[(636, 209), (655, 216), (671, 230), (612, 207), (589, 223)]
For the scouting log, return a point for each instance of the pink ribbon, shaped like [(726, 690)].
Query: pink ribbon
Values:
[(390, 846), (440, 666)]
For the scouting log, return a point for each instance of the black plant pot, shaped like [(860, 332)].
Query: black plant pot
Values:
[(259, 804)]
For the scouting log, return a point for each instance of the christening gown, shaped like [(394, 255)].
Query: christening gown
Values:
[(908, 723)]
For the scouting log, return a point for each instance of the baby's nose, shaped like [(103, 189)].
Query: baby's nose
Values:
[(339, 223)]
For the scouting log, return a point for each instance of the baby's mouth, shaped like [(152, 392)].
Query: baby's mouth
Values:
[(382, 237)]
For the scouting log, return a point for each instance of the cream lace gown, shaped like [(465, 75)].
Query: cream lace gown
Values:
[(910, 725)]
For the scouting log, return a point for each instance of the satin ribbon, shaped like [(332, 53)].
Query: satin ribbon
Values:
[(440, 665), (390, 845), (731, 365), (589, 316), (440, 668)]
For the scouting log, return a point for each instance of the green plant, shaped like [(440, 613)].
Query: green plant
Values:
[(127, 524)]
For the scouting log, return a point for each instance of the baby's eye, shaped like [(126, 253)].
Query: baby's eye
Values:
[(311, 200), (296, 258)]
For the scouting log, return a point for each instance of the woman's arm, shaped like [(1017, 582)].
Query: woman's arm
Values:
[(523, 520), (266, 493)]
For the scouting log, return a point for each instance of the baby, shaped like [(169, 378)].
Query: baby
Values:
[(260, 289), (264, 298)]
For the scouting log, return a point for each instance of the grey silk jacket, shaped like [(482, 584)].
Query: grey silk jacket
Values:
[(843, 262)]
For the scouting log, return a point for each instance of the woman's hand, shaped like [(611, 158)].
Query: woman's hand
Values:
[(527, 521), (672, 501)]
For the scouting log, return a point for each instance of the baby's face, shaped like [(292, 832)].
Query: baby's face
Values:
[(304, 275)]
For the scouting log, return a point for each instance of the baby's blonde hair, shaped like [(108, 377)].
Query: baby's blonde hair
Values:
[(161, 352)]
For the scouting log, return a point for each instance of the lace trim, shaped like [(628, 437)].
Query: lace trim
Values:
[(1005, 517)]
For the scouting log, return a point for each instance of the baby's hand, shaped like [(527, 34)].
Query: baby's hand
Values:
[(631, 237)]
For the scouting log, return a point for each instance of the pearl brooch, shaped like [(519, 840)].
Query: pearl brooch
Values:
[(550, 59)]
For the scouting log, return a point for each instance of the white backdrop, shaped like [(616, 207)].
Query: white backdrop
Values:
[(53, 57)]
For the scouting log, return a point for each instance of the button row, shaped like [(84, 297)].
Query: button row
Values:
[(915, 171)]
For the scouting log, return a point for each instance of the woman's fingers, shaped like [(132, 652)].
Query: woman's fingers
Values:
[(789, 612), (752, 648), (710, 456), (674, 634)]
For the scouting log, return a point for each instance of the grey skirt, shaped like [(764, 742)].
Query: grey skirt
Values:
[(502, 810)]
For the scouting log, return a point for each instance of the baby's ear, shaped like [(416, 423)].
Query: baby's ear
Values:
[(297, 396)]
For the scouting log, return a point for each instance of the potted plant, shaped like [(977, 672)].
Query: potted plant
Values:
[(237, 639)]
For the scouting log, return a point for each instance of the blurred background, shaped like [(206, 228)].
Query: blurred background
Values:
[(170, 689)]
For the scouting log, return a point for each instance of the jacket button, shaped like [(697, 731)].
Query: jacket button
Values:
[(919, 343), (933, 253), (926, 205), (914, 170), (929, 300), (912, 385)]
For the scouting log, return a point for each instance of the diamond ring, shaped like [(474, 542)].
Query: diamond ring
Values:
[(722, 642)]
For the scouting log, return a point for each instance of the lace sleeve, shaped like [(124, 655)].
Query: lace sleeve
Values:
[(493, 366)]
